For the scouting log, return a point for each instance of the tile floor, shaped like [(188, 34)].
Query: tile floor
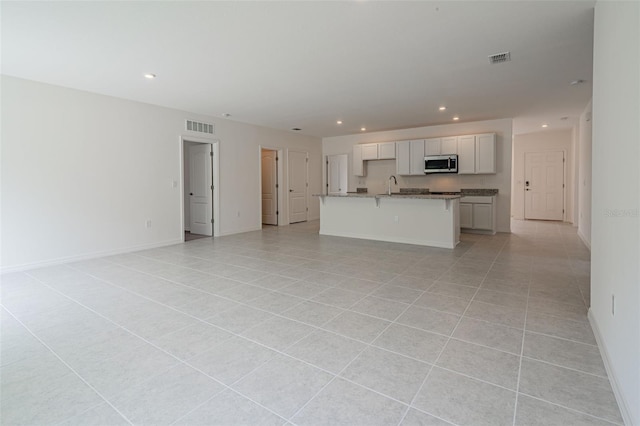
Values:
[(284, 326)]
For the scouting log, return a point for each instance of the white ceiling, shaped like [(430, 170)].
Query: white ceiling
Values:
[(381, 65)]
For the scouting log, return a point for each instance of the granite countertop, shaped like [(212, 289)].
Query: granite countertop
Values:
[(393, 195), (480, 192)]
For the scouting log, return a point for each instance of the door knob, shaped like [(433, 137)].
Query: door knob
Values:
[(291, 190)]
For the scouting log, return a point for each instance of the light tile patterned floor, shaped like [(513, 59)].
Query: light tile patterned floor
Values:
[(284, 326)]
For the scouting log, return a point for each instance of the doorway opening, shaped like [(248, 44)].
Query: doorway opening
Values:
[(199, 200), (271, 187)]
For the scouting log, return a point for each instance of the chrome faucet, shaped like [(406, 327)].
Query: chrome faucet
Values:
[(395, 180)]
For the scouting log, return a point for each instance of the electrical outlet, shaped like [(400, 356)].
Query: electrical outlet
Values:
[(238, 214), (147, 224)]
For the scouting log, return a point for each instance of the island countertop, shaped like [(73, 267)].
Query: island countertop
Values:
[(393, 195)]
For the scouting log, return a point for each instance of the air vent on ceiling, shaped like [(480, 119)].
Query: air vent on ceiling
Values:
[(499, 58), (196, 126)]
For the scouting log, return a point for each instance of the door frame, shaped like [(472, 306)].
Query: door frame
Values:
[(215, 166), (564, 182), (282, 204)]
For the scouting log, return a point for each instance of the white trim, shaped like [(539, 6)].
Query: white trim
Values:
[(306, 187), (215, 163), (584, 239), (95, 255), (622, 405)]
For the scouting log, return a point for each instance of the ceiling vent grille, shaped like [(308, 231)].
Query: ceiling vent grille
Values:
[(499, 58), (196, 126)]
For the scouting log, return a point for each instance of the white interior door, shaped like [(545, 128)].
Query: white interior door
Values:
[(544, 185), (269, 187), (297, 186), (337, 174), (200, 189)]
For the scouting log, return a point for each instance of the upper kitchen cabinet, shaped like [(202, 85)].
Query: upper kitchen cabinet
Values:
[(370, 151), (358, 168), (477, 154), (410, 157), (387, 151), (441, 146)]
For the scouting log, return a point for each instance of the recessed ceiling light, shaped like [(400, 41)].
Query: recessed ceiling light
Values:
[(362, 129), (442, 108), (456, 118), (339, 122), (545, 125), (226, 114), (150, 76)]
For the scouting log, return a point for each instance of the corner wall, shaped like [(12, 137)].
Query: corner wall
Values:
[(82, 173), (615, 213), (584, 175), (378, 171)]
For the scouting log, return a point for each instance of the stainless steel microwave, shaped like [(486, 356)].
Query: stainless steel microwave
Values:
[(441, 163)]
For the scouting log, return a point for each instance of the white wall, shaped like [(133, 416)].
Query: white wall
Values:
[(584, 176), (81, 173), (378, 172), (558, 140), (615, 215)]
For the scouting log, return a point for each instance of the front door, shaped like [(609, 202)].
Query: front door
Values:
[(269, 191), (544, 185), (200, 189), (297, 186)]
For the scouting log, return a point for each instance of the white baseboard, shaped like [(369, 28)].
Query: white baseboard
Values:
[(622, 405), (70, 259), (584, 239)]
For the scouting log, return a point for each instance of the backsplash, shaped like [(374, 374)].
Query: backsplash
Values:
[(378, 172)]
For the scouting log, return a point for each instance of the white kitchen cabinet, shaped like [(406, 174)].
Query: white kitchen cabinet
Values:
[(403, 158), (410, 157), (441, 146), (449, 145), (486, 153), (466, 215), (466, 155), (477, 213), (417, 157), (358, 168), (387, 151), (477, 154), (370, 151), (432, 146)]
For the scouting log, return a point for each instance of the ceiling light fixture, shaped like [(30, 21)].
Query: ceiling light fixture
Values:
[(339, 122), (150, 76), (442, 108), (545, 125), (362, 129), (456, 118)]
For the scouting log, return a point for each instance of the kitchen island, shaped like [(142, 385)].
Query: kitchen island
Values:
[(422, 219)]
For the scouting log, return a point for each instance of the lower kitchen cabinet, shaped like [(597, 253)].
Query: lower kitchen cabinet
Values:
[(477, 214)]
